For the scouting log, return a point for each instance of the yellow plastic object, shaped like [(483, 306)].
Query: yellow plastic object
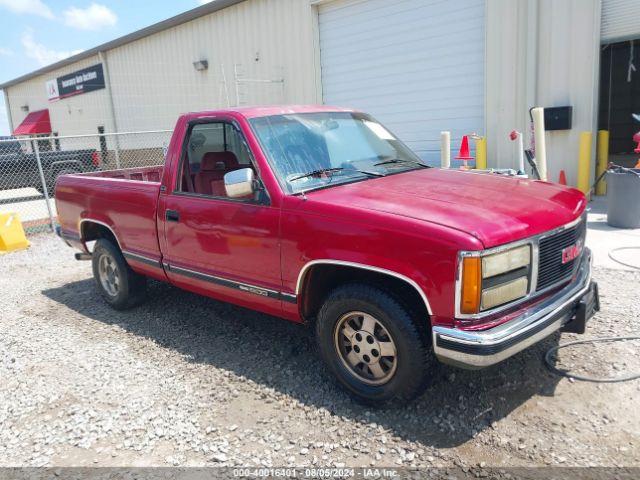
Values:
[(603, 161), (584, 162), (11, 233), (481, 153)]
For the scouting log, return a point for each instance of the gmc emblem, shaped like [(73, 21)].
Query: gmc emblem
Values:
[(571, 253)]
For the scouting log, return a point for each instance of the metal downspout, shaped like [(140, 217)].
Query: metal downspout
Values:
[(532, 62), (112, 111), (7, 106)]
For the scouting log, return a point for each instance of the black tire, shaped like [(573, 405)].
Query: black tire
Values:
[(131, 287), (416, 364)]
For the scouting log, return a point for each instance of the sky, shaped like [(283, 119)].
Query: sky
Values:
[(35, 33)]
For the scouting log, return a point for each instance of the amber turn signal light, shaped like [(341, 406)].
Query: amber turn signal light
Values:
[(471, 283)]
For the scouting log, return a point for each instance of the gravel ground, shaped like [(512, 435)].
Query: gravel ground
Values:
[(188, 381)]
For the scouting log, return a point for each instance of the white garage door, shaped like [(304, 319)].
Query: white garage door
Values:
[(415, 65), (620, 20)]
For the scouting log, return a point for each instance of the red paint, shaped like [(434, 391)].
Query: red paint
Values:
[(412, 223)]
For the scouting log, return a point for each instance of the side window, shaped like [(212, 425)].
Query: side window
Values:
[(236, 144), (212, 150), (204, 138)]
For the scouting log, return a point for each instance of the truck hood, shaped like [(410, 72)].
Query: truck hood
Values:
[(493, 208)]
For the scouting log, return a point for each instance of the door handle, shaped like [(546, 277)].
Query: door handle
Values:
[(172, 215)]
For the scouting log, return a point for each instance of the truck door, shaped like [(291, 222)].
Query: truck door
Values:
[(227, 248)]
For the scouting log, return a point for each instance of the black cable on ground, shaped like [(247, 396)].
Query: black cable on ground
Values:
[(548, 360), (630, 265)]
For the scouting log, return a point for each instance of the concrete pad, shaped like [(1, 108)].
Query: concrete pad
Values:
[(602, 239)]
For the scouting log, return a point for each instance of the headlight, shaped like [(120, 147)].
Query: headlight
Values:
[(507, 261), (504, 293), (491, 280)]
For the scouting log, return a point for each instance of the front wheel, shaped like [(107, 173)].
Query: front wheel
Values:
[(120, 286), (374, 345)]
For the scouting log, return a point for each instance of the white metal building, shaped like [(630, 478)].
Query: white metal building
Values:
[(150, 77), (419, 66)]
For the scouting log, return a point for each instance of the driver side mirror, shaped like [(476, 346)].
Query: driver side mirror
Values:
[(239, 183)]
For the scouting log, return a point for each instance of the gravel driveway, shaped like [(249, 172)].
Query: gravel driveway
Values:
[(188, 381)]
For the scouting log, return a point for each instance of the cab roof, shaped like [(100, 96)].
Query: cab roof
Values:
[(269, 110)]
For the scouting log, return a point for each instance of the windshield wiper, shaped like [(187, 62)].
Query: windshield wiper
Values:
[(398, 160), (317, 173), (321, 171), (370, 173)]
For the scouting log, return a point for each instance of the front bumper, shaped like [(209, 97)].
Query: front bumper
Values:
[(571, 307)]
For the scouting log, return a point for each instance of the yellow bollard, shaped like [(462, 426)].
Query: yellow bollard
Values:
[(584, 162), (603, 161), (481, 153), (11, 233)]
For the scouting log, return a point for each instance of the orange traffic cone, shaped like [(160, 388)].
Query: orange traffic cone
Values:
[(464, 153), (563, 178)]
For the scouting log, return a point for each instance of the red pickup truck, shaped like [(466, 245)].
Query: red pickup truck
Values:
[(321, 215)]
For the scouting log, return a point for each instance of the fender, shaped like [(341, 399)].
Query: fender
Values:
[(82, 220), (362, 266), (128, 255)]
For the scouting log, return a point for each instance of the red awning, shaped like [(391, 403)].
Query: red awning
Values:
[(35, 123)]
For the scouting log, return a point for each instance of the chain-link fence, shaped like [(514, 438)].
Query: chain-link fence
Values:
[(29, 167)]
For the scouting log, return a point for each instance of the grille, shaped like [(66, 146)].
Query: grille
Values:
[(551, 270)]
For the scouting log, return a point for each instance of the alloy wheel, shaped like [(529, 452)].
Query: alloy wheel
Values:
[(366, 348)]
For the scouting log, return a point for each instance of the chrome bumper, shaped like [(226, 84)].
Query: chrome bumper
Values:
[(469, 349)]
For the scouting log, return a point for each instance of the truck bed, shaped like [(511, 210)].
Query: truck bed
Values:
[(123, 200), (143, 174)]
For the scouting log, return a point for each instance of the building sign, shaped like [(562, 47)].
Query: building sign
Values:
[(83, 81), (52, 90)]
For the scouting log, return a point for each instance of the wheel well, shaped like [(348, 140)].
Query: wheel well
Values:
[(90, 231), (320, 279)]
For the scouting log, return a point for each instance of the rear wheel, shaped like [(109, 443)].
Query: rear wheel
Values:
[(120, 286), (376, 347)]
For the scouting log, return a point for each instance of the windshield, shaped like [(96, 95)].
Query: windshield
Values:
[(314, 150)]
